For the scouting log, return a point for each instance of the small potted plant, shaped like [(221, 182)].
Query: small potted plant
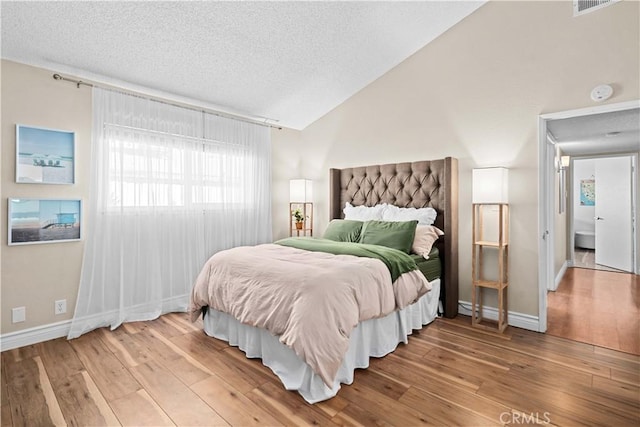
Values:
[(297, 215)]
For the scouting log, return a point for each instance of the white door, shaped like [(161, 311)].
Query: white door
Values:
[(614, 239)]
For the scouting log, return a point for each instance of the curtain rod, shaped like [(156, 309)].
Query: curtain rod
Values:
[(79, 83), (173, 135)]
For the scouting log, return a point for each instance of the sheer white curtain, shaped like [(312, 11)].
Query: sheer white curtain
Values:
[(169, 188)]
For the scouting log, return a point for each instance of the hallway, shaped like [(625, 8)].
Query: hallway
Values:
[(597, 307)]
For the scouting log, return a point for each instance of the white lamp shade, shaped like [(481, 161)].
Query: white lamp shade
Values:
[(300, 191), (490, 185), (564, 161)]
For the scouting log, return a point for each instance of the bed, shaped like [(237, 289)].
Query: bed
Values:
[(406, 185), (417, 184)]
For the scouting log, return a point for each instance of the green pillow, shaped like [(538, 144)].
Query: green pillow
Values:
[(396, 235), (343, 230)]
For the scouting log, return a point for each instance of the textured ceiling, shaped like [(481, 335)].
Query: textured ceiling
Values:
[(586, 135), (289, 61)]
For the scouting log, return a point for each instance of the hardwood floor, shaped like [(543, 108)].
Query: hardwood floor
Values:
[(167, 372), (597, 307)]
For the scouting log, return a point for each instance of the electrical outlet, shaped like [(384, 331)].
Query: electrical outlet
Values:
[(60, 306), (18, 314)]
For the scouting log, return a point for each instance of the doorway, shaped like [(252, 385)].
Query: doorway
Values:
[(555, 245), (600, 212)]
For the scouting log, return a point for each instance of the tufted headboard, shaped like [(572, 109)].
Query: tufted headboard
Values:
[(431, 183)]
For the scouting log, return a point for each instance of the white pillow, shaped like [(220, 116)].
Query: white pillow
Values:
[(425, 237), (364, 213), (424, 216)]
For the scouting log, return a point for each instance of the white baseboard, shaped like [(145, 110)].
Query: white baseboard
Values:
[(61, 329), (560, 275), (519, 320), (34, 335)]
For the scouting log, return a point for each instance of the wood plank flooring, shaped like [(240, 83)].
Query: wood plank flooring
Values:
[(167, 372), (597, 307)]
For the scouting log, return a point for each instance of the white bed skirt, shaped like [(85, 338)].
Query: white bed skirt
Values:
[(375, 337)]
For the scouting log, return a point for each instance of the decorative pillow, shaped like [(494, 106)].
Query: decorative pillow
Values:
[(396, 235), (426, 236), (363, 213), (343, 230), (424, 216)]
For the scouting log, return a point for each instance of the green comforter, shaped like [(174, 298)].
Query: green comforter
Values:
[(396, 261)]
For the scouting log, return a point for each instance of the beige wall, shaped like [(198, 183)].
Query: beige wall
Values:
[(285, 165), (475, 93), (34, 276)]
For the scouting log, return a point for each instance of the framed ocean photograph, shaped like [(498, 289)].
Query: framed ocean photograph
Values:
[(44, 221), (44, 156)]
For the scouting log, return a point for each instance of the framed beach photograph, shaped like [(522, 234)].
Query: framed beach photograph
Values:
[(44, 221), (44, 156)]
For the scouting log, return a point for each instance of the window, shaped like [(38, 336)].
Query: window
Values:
[(150, 169)]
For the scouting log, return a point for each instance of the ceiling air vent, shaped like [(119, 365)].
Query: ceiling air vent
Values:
[(580, 7)]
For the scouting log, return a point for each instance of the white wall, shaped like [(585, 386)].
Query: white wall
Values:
[(583, 215)]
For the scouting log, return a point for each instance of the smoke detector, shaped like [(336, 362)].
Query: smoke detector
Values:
[(601, 93)]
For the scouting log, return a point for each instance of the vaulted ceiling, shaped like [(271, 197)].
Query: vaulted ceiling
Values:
[(288, 61)]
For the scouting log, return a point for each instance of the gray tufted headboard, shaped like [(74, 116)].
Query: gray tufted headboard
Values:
[(432, 183)]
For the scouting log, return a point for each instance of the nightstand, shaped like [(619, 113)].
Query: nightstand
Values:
[(306, 226)]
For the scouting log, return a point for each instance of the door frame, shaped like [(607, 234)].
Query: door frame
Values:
[(634, 207), (547, 203)]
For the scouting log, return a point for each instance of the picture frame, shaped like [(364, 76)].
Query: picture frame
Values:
[(587, 192), (33, 221), (44, 156)]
